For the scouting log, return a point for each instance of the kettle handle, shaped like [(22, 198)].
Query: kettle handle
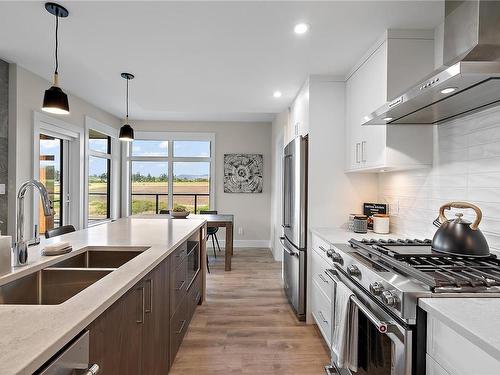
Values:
[(449, 205)]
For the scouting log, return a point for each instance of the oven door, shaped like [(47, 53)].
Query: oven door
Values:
[(384, 345)]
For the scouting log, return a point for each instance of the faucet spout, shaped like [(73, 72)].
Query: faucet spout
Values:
[(20, 248)]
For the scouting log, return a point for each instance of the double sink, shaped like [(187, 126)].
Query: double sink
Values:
[(57, 283)]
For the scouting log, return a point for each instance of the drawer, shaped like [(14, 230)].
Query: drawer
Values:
[(433, 368), (321, 246), (318, 267), (178, 285), (179, 254), (321, 309), (194, 295), (178, 328), (456, 354)]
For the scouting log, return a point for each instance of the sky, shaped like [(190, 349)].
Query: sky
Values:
[(98, 166)]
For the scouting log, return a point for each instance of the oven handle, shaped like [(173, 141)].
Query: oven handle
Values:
[(383, 327)]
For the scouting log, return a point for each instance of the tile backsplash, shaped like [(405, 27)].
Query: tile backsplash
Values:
[(466, 167)]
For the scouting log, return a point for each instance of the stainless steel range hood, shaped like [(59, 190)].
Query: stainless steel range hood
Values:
[(470, 79)]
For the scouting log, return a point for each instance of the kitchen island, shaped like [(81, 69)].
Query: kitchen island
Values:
[(30, 334)]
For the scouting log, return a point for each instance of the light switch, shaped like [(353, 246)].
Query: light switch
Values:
[(2, 189)]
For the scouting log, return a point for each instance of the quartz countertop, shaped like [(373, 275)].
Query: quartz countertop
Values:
[(342, 235), (32, 334), (476, 319)]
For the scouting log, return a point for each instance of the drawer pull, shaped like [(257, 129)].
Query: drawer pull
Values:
[(150, 301), (180, 286), (182, 327), (140, 320), (93, 370), (322, 248), (320, 275), (322, 317)]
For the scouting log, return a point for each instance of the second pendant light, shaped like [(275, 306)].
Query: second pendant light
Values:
[(126, 131)]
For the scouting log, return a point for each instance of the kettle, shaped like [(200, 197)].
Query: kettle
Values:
[(459, 236)]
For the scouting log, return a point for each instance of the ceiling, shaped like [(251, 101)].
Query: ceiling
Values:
[(214, 61)]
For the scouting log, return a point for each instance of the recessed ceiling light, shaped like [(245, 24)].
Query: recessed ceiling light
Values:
[(387, 118), (448, 90), (301, 28), (277, 94)]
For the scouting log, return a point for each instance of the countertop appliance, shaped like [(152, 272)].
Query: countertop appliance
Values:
[(294, 224), (470, 78), (387, 277)]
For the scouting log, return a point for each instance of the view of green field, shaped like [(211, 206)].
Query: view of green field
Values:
[(144, 196)]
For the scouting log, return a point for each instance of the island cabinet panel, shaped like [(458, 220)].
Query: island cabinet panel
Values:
[(156, 321), (178, 284), (116, 336)]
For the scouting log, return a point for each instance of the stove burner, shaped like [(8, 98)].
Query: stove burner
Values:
[(440, 272)]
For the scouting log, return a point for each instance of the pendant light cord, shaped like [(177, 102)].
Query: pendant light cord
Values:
[(57, 42), (127, 99)]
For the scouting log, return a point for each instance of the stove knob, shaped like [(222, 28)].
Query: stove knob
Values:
[(376, 288), (353, 270), (335, 256), (389, 298)]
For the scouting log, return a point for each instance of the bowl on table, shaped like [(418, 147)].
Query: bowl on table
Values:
[(179, 214)]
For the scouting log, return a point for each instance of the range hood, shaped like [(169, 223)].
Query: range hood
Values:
[(470, 79)]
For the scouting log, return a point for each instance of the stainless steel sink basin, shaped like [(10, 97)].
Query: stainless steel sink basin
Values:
[(50, 286), (108, 257)]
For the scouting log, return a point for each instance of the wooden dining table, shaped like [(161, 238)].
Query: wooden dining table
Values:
[(221, 221)]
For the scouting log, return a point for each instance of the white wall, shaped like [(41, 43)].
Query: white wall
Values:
[(25, 96), (466, 167), (252, 211), (279, 126)]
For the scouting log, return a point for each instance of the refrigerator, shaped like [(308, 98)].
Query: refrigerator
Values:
[(294, 222)]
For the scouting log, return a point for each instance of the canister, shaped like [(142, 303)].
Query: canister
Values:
[(381, 223)]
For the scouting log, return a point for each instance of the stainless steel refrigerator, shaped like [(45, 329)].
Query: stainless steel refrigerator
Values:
[(295, 224)]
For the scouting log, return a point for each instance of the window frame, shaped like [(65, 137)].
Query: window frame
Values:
[(170, 159), (113, 169)]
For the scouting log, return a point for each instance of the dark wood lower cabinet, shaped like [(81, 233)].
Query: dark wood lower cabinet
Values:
[(116, 336), (141, 332)]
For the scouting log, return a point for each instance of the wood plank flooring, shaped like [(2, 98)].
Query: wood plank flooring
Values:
[(246, 325)]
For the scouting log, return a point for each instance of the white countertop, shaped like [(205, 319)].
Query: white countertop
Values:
[(342, 235), (476, 319), (31, 334)]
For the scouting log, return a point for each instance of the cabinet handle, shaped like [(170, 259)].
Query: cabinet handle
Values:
[(322, 317), (182, 327), (322, 278), (357, 152), (92, 370), (180, 286), (141, 312), (149, 309), (363, 151), (322, 248)]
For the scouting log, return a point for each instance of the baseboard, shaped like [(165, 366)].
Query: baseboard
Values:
[(243, 243)]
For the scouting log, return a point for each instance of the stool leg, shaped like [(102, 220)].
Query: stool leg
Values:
[(208, 267), (217, 240), (213, 244)]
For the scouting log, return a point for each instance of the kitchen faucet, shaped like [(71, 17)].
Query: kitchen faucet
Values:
[(20, 248)]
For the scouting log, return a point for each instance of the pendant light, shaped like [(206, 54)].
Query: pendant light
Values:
[(55, 100), (126, 131)]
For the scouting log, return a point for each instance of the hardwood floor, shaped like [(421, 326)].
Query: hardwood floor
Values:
[(246, 325)]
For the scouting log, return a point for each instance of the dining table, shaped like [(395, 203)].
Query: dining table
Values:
[(221, 221)]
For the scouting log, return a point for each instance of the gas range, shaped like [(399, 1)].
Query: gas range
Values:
[(398, 272)]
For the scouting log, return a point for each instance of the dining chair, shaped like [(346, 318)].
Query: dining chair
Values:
[(164, 212), (59, 231), (212, 231)]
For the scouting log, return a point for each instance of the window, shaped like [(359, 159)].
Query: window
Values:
[(51, 175), (99, 176), (168, 171)]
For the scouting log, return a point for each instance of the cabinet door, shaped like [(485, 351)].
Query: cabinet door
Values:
[(156, 320), (366, 91), (116, 335)]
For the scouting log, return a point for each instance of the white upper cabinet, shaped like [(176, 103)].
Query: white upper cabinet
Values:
[(299, 115), (397, 61)]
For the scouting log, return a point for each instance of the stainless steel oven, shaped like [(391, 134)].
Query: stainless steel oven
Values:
[(384, 343)]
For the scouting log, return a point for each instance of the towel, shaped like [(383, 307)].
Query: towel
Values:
[(344, 340), (57, 248)]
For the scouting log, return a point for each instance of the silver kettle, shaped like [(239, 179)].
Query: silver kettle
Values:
[(458, 236)]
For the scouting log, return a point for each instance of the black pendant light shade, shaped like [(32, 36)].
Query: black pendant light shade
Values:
[(126, 131), (55, 100)]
